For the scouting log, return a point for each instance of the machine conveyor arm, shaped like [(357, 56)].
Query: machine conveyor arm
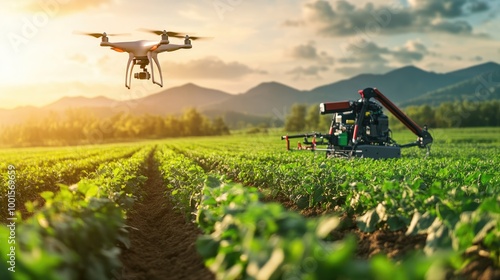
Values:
[(424, 137)]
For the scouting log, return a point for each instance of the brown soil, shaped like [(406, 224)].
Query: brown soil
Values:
[(394, 244), (163, 244), (480, 267)]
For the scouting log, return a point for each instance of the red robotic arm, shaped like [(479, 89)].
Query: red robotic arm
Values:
[(424, 137)]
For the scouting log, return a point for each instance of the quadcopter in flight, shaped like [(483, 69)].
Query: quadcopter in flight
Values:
[(144, 52)]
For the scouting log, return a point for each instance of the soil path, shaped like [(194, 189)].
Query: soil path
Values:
[(163, 246)]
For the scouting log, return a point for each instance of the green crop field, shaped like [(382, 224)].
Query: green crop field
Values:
[(262, 212)]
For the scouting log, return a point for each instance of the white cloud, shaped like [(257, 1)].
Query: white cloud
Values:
[(310, 52), (344, 19), (369, 57), (209, 68), (310, 71)]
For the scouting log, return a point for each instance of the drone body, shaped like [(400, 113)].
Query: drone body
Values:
[(145, 52)]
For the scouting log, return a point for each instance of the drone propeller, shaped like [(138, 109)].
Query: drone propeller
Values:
[(99, 35), (161, 32), (197, 38)]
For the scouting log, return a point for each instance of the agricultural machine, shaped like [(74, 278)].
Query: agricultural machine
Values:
[(360, 129)]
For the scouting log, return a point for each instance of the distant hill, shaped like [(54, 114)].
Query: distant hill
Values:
[(398, 85), (19, 114), (480, 88), (264, 99), (402, 84), (271, 101), (237, 120), (80, 102), (176, 99), (473, 71)]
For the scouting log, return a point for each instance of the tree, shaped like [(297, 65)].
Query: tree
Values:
[(193, 122), (325, 121), (219, 127), (295, 121), (312, 118)]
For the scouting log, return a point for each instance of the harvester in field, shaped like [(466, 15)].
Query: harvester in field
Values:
[(360, 129)]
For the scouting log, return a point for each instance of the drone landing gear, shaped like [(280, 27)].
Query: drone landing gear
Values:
[(143, 62)]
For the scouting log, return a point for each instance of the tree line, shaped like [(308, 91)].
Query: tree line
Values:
[(78, 126), (455, 114), (448, 114)]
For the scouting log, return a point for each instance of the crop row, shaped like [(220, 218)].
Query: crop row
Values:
[(32, 155), (452, 198), (34, 177), (455, 202), (183, 178), (245, 238), (74, 235)]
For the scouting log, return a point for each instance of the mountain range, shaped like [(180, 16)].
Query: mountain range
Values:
[(405, 86)]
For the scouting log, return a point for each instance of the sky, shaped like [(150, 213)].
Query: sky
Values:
[(301, 43)]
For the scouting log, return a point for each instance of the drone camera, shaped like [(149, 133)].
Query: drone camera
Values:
[(142, 76)]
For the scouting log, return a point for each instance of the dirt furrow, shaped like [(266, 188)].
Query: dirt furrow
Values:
[(162, 241)]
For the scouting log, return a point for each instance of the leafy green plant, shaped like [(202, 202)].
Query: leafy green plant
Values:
[(246, 238), (79, 226)]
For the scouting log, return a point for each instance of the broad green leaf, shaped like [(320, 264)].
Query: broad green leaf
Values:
[(368, 221), (326, 226), (420, 223)]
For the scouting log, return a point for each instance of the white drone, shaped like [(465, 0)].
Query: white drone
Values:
[(143, 52)]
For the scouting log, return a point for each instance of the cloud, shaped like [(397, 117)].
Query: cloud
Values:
[(448, 8), (293, 23), (63, 6), (478, 6), (309, 52), (456, 27), (424, 16), (445, 8), (477, 58), (208, 68), (311, 71), (411, 52), (365, 69), (368, 57)]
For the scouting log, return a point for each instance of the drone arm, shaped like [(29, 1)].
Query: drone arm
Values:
[(128, 74), (154, 56), (171, 48)]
